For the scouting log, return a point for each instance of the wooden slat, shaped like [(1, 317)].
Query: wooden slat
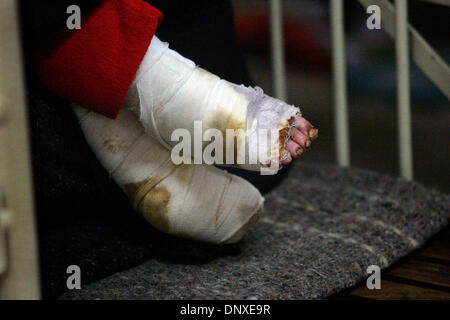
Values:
[(425, 274), (399, 291), (423, 271), (438, 249)]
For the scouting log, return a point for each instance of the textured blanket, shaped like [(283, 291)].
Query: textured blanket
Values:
[(321, 229)]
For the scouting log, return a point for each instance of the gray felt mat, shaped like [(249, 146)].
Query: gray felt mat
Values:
[(320, 230)]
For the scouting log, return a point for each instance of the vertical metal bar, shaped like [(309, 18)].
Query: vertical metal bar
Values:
[(339, 82), (403, 89), (277, 48), (426, 58), (20, 281)]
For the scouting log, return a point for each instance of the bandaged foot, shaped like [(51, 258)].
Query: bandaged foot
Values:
[(193, 201), (170, 92)]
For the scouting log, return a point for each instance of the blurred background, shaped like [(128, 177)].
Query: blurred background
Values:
[(371, 83)]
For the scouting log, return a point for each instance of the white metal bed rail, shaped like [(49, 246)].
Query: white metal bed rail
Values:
[(408, 43)]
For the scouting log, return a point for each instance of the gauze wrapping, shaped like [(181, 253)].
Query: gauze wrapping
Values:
[(266, 118), (194, 201), (170, 92)]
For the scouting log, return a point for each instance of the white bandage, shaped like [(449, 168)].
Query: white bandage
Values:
[(170, 92), (193, 201)]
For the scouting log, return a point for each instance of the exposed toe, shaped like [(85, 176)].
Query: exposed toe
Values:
[(293, 149), (298, 137), (286, 157), (305, 127)]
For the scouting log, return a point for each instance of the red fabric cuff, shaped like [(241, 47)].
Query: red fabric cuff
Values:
[(95, 65)]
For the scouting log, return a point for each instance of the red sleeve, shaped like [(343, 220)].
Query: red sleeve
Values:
[(95, 65)]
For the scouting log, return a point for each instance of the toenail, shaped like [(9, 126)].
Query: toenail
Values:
[(308, 143)]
